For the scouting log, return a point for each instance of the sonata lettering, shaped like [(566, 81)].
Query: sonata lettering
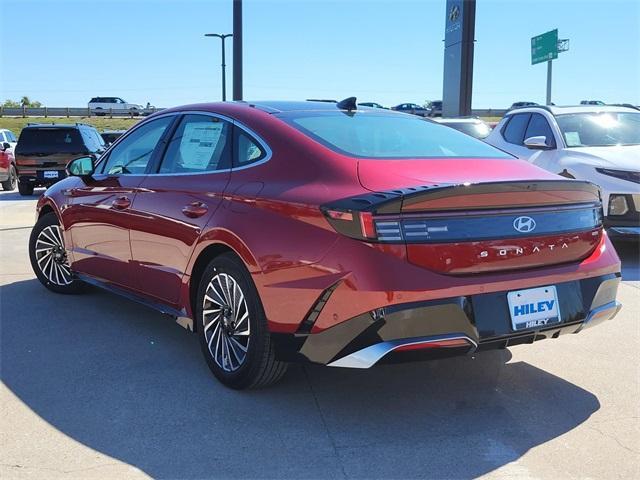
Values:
[(518, 251)]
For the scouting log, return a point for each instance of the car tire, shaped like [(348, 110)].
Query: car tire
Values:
[(232, 327), (10, 183), (25, 188), (49, 258)]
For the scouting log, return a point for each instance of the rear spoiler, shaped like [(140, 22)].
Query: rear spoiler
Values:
[(474, 196), (354, 216)]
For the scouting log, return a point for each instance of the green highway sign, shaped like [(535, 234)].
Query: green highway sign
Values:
[(544, 47)]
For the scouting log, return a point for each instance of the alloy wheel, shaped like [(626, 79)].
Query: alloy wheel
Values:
[(52, 257), (225, 320)]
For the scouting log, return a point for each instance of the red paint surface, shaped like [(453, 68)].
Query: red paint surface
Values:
[(269, 216)]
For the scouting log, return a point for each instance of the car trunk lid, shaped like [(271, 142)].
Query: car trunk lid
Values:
[(467, 216)]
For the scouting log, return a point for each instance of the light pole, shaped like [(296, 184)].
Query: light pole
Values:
[(224, 76), (237, 49)]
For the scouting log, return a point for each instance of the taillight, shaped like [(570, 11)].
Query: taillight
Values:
[(461, 226), (367, 225)]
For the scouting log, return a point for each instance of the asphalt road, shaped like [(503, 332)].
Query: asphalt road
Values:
[(95, 386)]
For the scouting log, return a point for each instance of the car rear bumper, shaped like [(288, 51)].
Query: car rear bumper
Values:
[(452, 326), (625, 226), (38, 179)]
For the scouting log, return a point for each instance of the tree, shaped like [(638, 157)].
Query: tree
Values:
[(24, 102)]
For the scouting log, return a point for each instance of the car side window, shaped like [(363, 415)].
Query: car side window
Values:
[(247, 149), (513, 132), (539, 127), (201, 143), (132, 154)]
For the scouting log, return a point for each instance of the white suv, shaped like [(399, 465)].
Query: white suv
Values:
[(104, 105), (600, 144)]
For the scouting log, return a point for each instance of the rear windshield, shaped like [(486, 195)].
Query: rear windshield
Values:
[(388, 136), (50, 140)]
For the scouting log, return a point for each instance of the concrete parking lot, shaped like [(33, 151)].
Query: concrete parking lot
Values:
[(95, 386)]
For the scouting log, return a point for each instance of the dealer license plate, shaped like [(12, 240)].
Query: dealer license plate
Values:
[(534, 308)]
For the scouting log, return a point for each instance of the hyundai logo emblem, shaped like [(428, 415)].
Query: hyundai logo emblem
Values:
[(524, 224), (454, 13)]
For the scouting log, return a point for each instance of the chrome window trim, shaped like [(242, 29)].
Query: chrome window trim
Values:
[(263, 144), (107, 152)]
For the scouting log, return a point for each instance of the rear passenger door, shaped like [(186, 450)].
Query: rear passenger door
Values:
[(176, 201)]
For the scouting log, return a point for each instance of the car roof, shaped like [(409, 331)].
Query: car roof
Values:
[(297, 106), (458, 120), (556, 110), (58, 125)]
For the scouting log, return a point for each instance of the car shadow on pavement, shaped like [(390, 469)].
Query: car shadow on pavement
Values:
[(14, 195), (131, 384)]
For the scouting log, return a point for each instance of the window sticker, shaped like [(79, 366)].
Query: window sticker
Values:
[(198, 144), (573, 139)]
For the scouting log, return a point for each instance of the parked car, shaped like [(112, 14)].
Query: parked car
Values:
[(471, 126), (412, 108), (300, 231), (600, 144), (436, 108), (592, 102), (8, 175), (110, 136), (370, 104), (44, 150), (105, 105), (7, 136), (522, 104)]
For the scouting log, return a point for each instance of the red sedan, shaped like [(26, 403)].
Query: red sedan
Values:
[(329, 233)]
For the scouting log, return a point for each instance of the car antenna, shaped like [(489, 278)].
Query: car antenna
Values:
[(348, 104)]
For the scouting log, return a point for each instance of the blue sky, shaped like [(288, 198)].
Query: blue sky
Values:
[(64, 52)]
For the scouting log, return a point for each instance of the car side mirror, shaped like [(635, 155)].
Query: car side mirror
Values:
[(537, 143), (81, 166), (5, 146)]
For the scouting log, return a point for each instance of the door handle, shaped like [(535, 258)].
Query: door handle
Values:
[(121, 203), (195, 209)]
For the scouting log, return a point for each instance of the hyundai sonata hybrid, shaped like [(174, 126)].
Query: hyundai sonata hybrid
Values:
[(328, 233)]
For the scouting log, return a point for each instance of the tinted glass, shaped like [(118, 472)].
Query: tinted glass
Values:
[(12, 137), (92, 140), (247, 149), (476, 130), (514, 131), (50, 140), (600, 129), (378, 135), (200, 144), (134, 152), (539, 127)]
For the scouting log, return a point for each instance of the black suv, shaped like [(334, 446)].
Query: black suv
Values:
[(44, 150)]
